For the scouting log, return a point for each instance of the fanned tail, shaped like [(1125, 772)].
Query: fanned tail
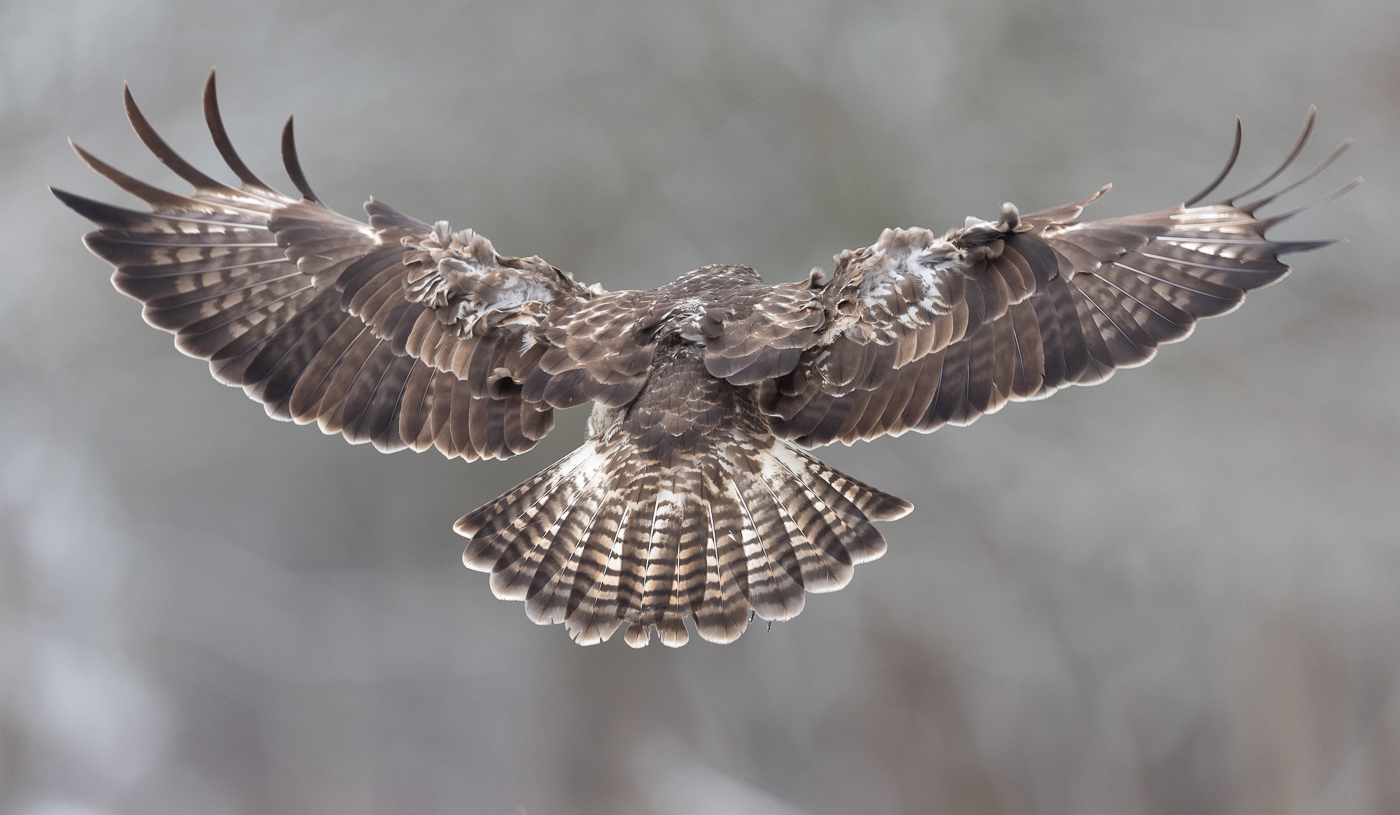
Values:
[(604, 537)]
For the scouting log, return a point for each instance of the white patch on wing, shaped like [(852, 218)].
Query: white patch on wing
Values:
[(914, 255), (519, 290)]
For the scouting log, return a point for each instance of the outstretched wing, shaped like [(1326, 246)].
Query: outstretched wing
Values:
[(393, 332), (923, 331)]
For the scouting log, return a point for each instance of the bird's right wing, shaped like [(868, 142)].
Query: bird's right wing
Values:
[(393, 332), (924, 331)]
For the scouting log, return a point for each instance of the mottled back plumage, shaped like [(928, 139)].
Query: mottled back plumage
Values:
[(692, 496)]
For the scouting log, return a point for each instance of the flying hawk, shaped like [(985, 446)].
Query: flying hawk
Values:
[(693, 494)]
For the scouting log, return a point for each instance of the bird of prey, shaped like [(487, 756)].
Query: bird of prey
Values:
[(693, 494)]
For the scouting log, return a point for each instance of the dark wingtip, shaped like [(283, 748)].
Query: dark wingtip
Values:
[(1308, 122), (289, 158), (1255, 205), (93, 162), (157, 145), (1229, 165), (155, 197), (1265, 224), (95, 211), (1287, 247), (215, 121), (66, 197)]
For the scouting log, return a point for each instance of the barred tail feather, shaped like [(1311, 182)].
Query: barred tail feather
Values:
[(773, 591), (591, 606), (604, 537), (485, 526)]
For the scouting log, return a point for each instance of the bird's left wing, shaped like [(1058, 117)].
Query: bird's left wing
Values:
[(923, 331), (392, 332)]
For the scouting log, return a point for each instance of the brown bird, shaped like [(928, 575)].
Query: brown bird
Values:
[(692, 495)]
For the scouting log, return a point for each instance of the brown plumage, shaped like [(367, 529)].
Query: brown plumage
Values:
[(691, 497)]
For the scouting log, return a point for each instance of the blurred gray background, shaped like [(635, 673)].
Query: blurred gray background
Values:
[(1174, 593)]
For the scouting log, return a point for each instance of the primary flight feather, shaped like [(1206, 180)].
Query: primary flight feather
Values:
[(692, 495)]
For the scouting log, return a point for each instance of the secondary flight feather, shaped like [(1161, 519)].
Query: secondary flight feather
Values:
[(693, 495)]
